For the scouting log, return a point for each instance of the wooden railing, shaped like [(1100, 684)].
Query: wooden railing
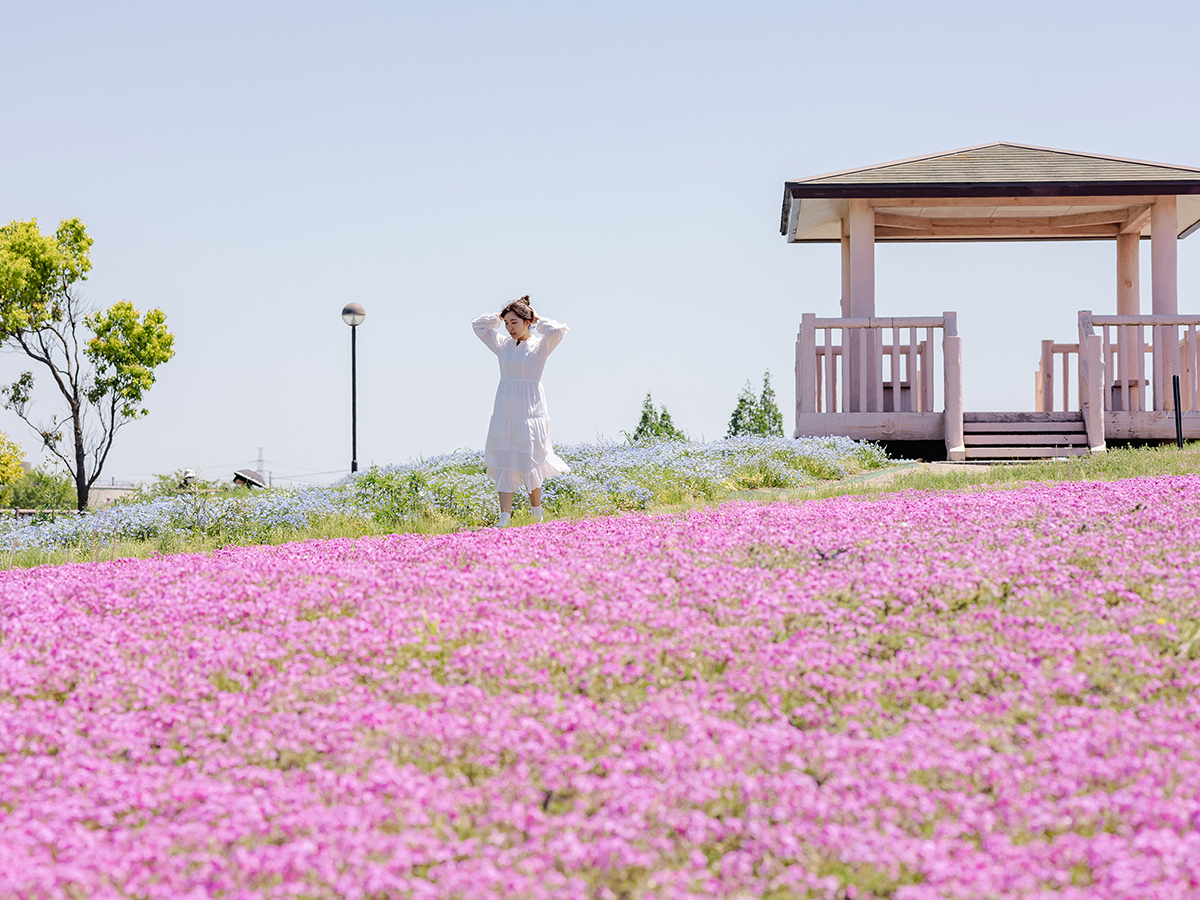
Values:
[(1115, 376), (879, 365), (1044, 387)]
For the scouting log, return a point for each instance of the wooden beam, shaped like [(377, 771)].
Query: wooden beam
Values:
[(1152, 319), (983, 202), (1102, 217), (1029, 231), (1026, 440), (1107, 217), (1149, 424), (902, 426), (994, 429), (1024, 452), (884, 322), (1138, 217), (891, 220), (989, 421)]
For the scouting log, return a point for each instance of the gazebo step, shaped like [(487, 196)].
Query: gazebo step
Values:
[(1075, 439), (1025, 452), (1018, 428), (1020, 418)]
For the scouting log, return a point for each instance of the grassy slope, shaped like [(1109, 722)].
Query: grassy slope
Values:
[(1125, 463)]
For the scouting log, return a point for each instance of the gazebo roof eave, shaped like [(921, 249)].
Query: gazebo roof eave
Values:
[(1007, 239), (983, 190)]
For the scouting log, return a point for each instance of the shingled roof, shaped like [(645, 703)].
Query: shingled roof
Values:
[(1026, 183), (1005, 170)]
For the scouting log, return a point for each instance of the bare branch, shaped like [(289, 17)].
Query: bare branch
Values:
[(45, 432), (45, 359)]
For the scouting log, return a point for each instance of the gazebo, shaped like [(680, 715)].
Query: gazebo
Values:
[(873, 378)]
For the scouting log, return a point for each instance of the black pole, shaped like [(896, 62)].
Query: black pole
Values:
[(354, 400), (1178, 413)]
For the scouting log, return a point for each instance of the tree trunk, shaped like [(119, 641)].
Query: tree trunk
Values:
[(81, 484)]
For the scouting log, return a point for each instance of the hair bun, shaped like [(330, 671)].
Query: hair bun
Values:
[(522, 309)]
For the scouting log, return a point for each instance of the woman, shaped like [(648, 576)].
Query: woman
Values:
[(518, 449)]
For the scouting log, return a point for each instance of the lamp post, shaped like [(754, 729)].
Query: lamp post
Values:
[(353, 315)]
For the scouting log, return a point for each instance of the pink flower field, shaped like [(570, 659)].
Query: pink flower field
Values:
[(983, 694)]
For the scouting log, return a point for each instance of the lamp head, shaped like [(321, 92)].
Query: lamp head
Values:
[(353, 314)]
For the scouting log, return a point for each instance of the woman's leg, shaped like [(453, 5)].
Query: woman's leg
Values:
[(535, 497), (506, 498)]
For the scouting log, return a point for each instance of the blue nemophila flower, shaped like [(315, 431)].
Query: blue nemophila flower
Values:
[(606, 477)]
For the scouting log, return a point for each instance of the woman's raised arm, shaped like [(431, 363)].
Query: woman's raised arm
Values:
[(487, 329), (552, 334)]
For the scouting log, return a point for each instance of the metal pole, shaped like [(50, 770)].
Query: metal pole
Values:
[(1178, 413), (354, 398)]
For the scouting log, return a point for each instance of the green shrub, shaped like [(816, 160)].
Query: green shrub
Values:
[(39, 489), (179, 483)]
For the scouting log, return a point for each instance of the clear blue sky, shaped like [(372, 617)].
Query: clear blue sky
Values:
[(250, 167)]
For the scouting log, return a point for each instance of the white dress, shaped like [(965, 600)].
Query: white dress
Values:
[(518, 449)]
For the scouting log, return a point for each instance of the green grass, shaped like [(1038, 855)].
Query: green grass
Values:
[(1111, 466), (1116, 464), (329, 528)]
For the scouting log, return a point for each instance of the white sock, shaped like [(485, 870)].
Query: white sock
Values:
[(505, 518), (536, 513)]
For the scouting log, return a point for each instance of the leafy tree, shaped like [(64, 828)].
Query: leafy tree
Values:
[(10, 460), (655, 425), (756, 415), (103, 379), (770, 418), (39, 490)]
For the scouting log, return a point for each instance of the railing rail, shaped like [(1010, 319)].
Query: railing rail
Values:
[(1116, 376), (1043, 384), (879, 365)]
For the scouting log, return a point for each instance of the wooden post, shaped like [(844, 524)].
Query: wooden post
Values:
[(1140, 355), (1192, 369), (799, 368), (1157, 371), (927, 371), (1128, 288), (861, 226), (1037, 389), (897, 406), (953, 388), (1066, 380), (1095, 384), (830, 373), (876, 341), (845, 269), (1125, 351), (806, 363), (847, 372), (1171, 362), (1047, 376), (1091, 379), (914, 386), (1164, 228), (863, 348)]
